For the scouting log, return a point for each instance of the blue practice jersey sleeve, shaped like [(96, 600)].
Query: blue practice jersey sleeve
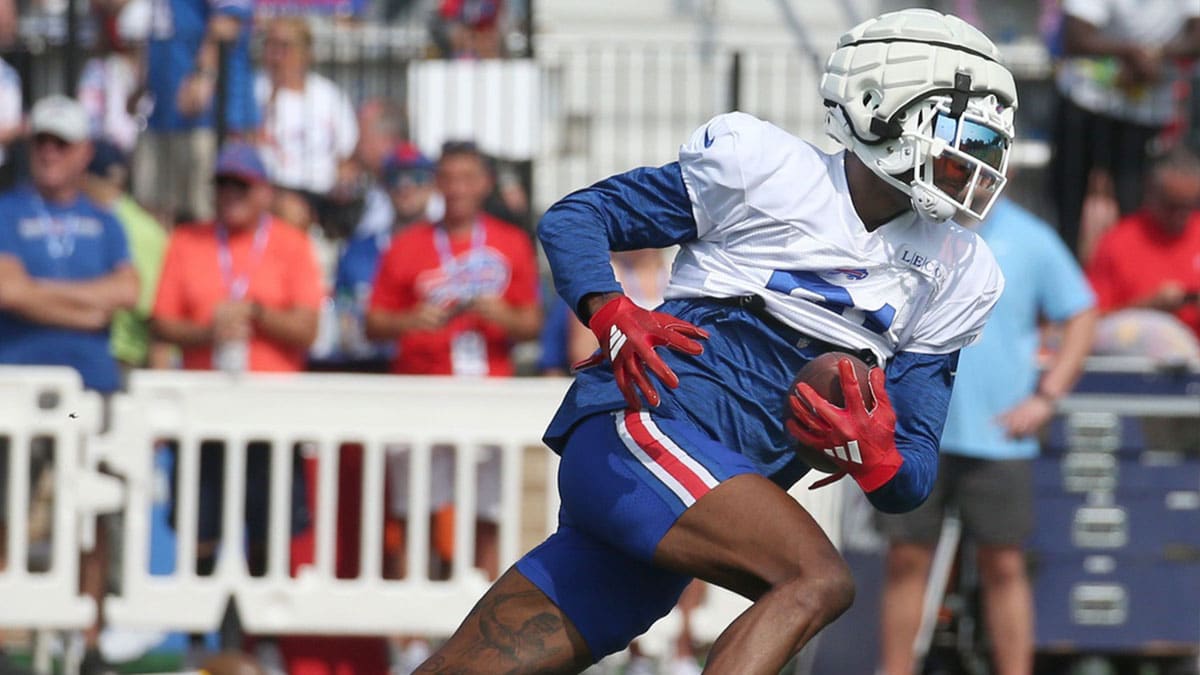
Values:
[(643, 208), (919, 387)]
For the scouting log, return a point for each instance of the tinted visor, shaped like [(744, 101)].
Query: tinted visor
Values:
[(972, 138), (952, 175)]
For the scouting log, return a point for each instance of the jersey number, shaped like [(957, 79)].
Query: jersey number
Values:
[(833, 297)]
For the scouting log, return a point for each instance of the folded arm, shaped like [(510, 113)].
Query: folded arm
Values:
[(80, 305)]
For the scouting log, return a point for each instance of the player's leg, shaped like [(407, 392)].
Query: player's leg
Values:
[(906, 575), (911, 540), (578, 596), (749, 536), (996, 501), (513, 628), (745, 533)]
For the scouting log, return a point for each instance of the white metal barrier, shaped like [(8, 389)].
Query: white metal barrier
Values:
[(323, 413), (48, 407)]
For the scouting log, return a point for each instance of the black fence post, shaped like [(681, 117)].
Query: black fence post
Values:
[(735, 81), (221, 95), (73, 47)]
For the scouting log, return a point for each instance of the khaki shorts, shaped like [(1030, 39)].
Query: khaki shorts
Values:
[(994, 499), (173, 173)]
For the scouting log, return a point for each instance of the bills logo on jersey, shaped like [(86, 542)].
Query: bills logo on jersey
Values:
[(853, 273), (478, 273)]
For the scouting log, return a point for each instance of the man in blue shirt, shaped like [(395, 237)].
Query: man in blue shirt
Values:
[(174, 158), (999, 404), (64, 261), (64, 271)]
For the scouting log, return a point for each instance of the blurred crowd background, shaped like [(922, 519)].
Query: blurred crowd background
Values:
[(238, 185)]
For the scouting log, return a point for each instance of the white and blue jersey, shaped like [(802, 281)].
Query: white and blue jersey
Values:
[(759, 212)]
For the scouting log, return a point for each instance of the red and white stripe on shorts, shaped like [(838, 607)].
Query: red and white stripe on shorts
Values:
[(686, 478)]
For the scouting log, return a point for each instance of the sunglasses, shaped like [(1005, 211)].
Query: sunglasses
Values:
[(231, 182)]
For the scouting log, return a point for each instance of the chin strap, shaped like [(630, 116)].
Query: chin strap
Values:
[(932, 205)]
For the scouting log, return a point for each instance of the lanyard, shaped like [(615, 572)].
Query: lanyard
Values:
[(58, 244), (465, 272), (238, 284)]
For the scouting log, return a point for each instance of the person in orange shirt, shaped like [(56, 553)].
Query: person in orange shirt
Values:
[(1151, 258), (240, 294)]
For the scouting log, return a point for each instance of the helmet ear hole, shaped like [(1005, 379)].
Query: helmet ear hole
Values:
[(871, 98)]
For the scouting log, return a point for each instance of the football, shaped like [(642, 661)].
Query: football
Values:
[(822, 375)]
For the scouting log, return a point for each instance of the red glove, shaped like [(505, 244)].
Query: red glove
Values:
[(861, 442), (628, 335)]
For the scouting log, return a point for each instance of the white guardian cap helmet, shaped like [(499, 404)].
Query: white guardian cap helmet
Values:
[(922, 99)]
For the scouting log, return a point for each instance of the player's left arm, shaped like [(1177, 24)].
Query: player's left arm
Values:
[(918, 387), (891, 448)]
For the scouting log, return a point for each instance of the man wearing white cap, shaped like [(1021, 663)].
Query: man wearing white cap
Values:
[(64, 270), (64, 261)]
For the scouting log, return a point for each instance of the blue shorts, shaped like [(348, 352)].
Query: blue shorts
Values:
[(624, 479)]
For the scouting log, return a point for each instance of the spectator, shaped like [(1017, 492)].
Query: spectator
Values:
[(11, 127), (309, 130), (455, 295), (408, 176), (64, 261), (107, 177), (1151, 258), (381, 126), (1116, 93), (174, 158), (470, 28), (111, 82), (240, 294), (64, 271), (998, 405)]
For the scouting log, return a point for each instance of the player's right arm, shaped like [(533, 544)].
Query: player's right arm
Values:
[(647, 207), (642, 208)]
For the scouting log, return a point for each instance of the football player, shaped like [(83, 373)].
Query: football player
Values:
[(785, 252)]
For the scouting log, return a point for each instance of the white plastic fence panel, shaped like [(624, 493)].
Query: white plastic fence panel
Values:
[(48, 404), (494, 102), (322, 412)]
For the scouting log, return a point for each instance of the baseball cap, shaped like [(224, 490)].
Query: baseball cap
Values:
[(241, 160), (406, 161), (105, 157), (61, 117)]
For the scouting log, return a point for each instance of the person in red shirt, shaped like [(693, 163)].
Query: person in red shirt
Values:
[(456, 295), (1151, 258)]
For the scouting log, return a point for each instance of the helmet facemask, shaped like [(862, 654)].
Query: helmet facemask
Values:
[(960, 159), (923, 100)]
